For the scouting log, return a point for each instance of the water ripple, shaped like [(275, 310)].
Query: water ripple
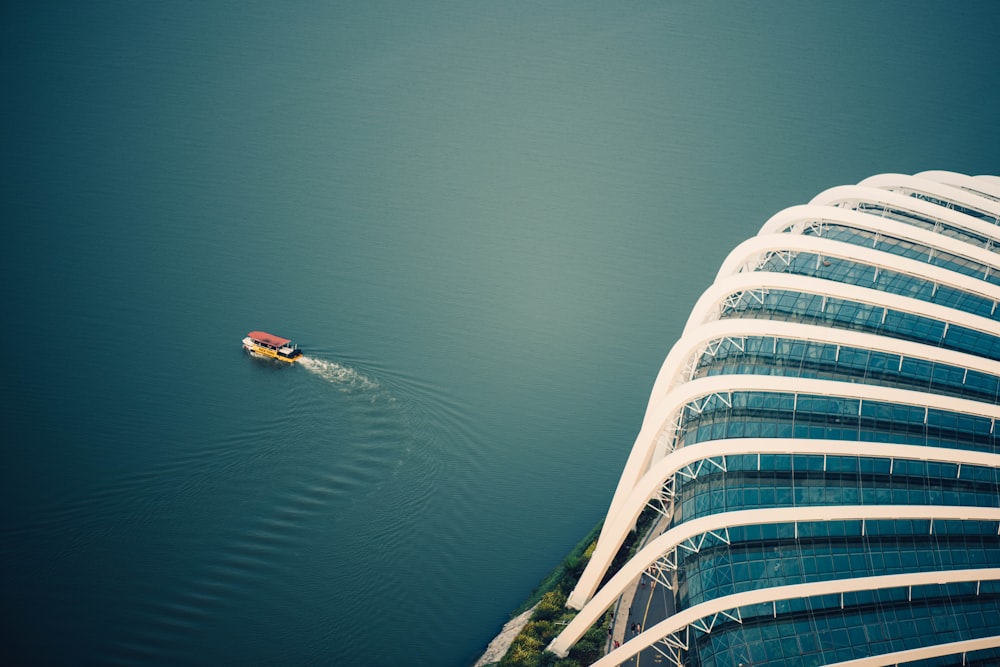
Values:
[(386, 441)]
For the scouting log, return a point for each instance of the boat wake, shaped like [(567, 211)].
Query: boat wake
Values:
[(338, 374)]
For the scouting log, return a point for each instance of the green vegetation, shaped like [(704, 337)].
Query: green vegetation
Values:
[(551, 614), (548, 619)]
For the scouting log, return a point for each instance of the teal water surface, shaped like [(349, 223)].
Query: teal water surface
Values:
[(484, 222)]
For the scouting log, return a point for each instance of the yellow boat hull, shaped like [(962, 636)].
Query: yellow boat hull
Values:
[(268, 353), (266, 346)]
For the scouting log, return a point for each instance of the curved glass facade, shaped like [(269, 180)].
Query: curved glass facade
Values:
[(776, 304), (905, 248), (790, 357), (851, 272), (904, 341)]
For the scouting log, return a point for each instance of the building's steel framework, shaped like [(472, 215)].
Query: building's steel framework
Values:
[(952, 209)]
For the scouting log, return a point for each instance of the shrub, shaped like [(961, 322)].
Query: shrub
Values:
[(528, 648), (590, 647), (551, 605), (526, 651)]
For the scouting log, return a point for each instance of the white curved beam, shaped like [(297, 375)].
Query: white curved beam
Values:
[(710, 301), (717, 522), (707, 307), (642, 455), (935, 189), (988, 178), (674, 364), (797, 216), (676, 385), (860, 193), (974, 183), (748, 252), (685, 618), (667, 467), (688, 392), (909, 655)]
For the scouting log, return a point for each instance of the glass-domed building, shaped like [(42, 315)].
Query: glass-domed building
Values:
[(821, 446)]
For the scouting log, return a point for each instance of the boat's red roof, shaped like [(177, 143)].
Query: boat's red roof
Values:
[(270, 339)]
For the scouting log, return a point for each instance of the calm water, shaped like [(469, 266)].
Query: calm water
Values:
[(485, 224)]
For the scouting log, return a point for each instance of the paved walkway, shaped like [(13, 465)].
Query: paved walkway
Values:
[(625, 615)]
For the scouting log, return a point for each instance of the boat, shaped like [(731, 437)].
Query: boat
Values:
[(268, 346)]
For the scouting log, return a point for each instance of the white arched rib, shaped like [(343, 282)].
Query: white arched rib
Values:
[(676, 536), (988, 178), (854, 194), (681, 620), (827, 205), (799, 216), (642, 449), (707, 307), (643, 454), (936, 189), (674, 365), (695, 342), (973, 183), (750, 251), (703, 387), (934, 651), (621, 524)]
